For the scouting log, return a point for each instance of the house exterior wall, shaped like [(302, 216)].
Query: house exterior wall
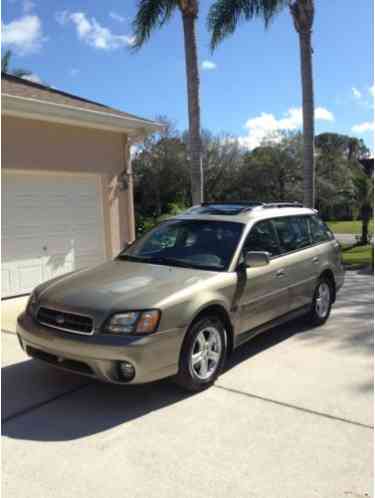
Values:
[(41, 146)]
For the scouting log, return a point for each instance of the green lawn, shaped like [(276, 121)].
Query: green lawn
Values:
[(360, 255), (348, 226)]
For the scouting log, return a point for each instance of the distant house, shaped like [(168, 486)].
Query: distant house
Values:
[(67, 199)]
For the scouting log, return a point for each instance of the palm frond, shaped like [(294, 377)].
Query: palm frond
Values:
[(224, 15), (151, 14)]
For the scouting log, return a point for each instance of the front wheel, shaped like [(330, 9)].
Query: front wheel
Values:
[(322, 302), (203, 354)]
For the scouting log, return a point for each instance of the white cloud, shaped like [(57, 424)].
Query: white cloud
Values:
[(363, 127), (356, 93), (23, 35), (93, 33), (116, 17), (28, 6), (322, 114), (266, 125), (73, 71), (208, 65), (32, 77)]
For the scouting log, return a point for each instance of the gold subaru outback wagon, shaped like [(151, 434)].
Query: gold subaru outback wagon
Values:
[(179, 300)]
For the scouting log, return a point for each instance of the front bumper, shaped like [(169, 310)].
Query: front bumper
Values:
[(154, 357)]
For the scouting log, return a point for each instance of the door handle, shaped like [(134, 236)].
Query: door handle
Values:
[(316, 259), (280, 273)]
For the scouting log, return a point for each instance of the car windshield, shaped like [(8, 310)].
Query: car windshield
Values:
[(202, 244)]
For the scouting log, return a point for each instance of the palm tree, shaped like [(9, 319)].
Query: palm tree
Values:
[(153, 14), (364, 194), (223, 18), (5, 66)]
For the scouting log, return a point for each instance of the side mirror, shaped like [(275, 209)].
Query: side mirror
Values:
[(255, 259)]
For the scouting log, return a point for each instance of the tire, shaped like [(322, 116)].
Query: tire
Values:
[(322, 302), (206, 341)]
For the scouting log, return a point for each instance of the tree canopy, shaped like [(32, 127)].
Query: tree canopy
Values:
[(271, 172)]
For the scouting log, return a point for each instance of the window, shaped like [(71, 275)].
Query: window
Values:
[(300, 229), (319, 230), (293, 233), (262, 237), (190, 243)]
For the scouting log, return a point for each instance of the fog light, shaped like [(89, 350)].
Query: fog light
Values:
[(126, 371)]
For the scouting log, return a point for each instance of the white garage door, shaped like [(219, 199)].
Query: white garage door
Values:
[(51, 224)]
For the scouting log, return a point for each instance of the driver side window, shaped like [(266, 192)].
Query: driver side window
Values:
[(262, 237)]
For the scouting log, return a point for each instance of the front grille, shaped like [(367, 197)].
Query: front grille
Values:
[(69, 322)]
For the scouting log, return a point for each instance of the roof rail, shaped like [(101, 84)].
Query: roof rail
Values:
[(230, 207), (233, 207), (270, 205), (233, 203)]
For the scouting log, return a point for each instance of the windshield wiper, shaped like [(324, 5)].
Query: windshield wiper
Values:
[(162, 260)]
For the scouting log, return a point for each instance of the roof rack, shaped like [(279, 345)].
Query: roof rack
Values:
[(227, 207), (233, 208), (233, 203), (269, 205)]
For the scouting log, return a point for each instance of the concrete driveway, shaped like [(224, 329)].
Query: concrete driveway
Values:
[(290, 418)]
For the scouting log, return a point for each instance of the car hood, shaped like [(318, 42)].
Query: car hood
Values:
[(120, 285)]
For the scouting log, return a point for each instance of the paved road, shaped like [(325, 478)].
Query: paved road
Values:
[(290, 418)]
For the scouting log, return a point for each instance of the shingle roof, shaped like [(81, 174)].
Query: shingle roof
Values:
[(20, 87)]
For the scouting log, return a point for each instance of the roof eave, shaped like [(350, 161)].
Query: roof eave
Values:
[(57, 113)]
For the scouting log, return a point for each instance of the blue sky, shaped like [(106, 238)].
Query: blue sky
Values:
[(250, 86)]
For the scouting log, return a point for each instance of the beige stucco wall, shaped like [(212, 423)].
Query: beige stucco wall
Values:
[(37, 145)]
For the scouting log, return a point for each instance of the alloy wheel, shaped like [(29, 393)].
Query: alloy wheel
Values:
[(323, 300), (206, 353)]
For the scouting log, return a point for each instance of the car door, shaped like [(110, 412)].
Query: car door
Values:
[(300, 258), (265, 294)]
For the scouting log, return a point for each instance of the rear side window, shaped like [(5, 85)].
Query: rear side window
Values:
[(319, 230), (262, 237), (293, 232)]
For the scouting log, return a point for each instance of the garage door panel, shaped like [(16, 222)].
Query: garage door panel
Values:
[(51, 224), (24, 247), (28, 274), (58, 245), (59, 264), (6, 284)]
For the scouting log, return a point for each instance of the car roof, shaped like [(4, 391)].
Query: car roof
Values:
[(244, 212)]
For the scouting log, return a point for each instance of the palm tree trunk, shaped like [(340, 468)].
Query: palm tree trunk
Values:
[(192, 77), (366, 213), (308, 118)]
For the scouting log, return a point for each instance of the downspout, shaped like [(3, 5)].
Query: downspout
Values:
[(130, 217)]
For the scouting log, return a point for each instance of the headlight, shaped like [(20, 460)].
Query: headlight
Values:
[(133, 322), (32, 304)]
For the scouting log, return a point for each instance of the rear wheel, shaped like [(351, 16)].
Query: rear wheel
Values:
[(203, 354), (322, 302)]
